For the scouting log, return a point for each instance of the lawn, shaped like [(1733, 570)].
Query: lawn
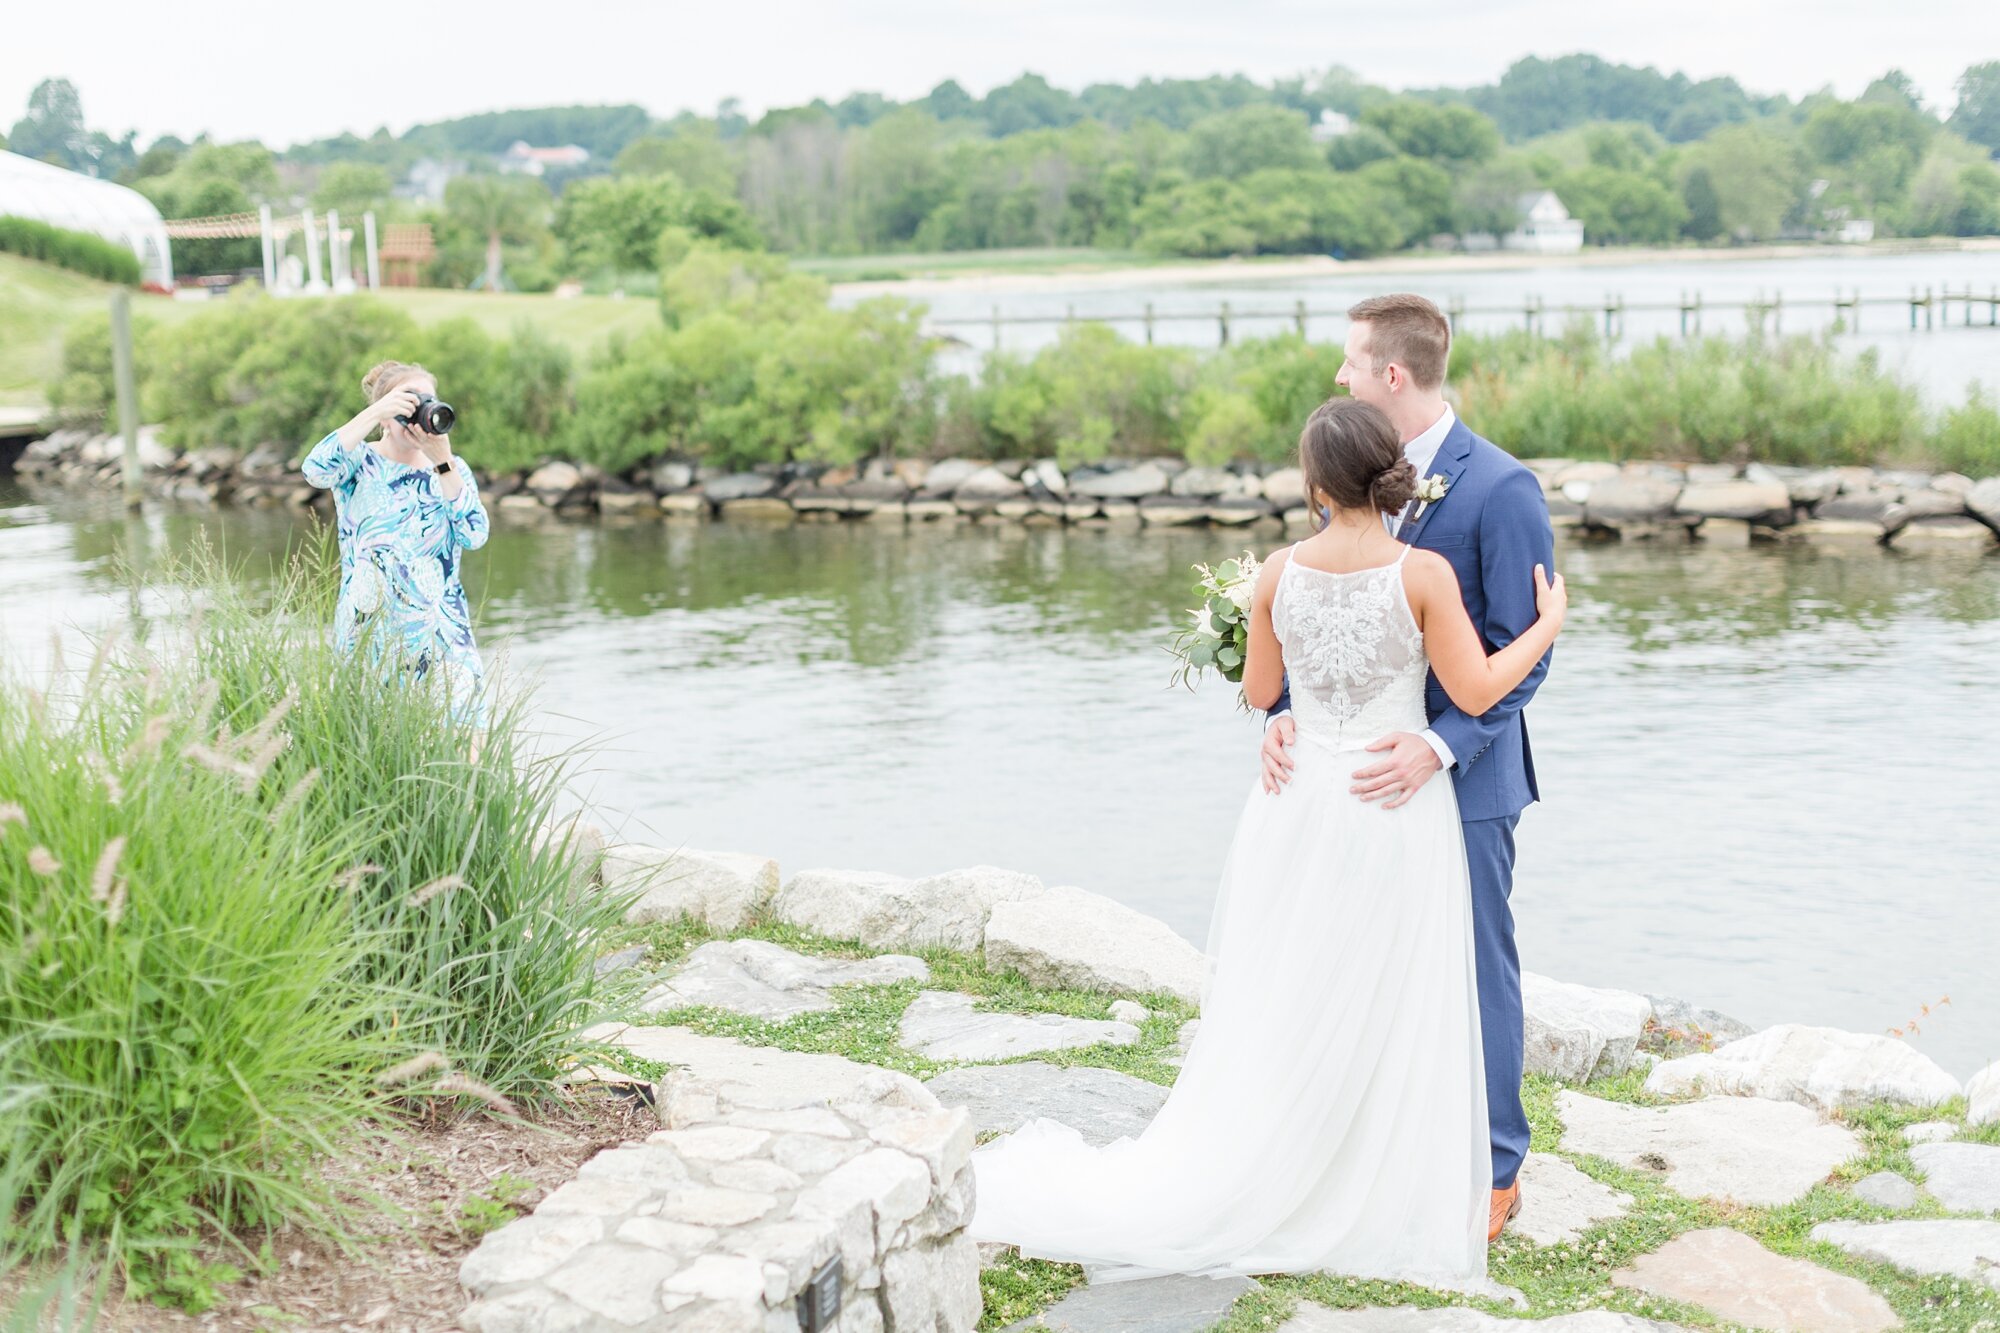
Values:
[(38, 302)]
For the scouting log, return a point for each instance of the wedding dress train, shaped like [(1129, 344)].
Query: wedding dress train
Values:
[(1331, 1112)]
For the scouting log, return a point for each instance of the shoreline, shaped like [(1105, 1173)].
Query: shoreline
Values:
[(1206, 271), (1638, 500)]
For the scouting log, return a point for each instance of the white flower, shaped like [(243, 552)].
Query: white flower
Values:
[(1242, 593), (1205, 622), (1432, 489)]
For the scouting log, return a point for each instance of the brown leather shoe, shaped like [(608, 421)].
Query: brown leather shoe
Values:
[(1506, 1203)]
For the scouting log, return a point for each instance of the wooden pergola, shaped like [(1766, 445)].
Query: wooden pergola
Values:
[(407, 247)]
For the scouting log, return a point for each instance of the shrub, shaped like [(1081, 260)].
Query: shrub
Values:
[(79, 250)]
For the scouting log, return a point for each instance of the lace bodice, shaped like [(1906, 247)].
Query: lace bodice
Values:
[(1353, 651)]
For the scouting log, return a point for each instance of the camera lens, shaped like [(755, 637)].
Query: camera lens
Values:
[(441, 419)]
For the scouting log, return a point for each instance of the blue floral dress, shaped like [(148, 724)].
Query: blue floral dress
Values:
[(399, 551)]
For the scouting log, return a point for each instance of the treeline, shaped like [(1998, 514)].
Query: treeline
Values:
[(751, 366), (1208, 167)]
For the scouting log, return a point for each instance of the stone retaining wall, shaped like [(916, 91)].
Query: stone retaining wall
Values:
[(1633, 501)]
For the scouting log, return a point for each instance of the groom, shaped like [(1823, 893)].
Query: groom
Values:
[(1492, 524)]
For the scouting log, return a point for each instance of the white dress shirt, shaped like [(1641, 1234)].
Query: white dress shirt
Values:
[(1421, 452)]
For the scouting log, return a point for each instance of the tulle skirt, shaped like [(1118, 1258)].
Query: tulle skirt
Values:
[(1331, 1112)]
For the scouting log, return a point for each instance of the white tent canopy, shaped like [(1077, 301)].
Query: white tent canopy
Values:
[(31, 189)]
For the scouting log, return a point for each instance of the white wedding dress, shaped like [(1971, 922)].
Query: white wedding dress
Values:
[(1331, 1112)]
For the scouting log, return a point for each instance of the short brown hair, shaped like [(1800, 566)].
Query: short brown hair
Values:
[(1410, 331), (1350, 454)]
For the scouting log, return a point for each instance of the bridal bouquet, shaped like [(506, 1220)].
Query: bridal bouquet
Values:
[(1219, 636)]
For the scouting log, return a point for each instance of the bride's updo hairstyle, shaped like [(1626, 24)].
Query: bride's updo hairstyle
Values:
[(1349, 454)]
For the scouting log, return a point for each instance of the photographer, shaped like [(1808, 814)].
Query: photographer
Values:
[(405, 508)]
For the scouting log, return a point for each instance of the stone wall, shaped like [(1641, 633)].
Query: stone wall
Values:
[(1634, 501)]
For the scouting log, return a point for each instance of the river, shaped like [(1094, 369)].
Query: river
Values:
[(1768, 774)]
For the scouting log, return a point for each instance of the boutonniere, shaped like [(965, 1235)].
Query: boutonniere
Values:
[(1429, 491)]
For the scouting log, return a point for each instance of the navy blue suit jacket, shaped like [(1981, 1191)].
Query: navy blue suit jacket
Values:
[(1493, 526)]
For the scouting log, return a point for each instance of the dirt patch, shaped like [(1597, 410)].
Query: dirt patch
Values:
[(425, 1194)]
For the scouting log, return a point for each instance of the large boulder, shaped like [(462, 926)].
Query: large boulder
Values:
[(555, 483), (1205, 483), (987, 483), (723, 889), (739, 486), (1964, 1177), (1982, 1096), (943, 478), (1819, 1067), (890, 912), (944, 1025), (1286, 488), (1745, 1285), (1122, 484), (1100, 1104), (1753, 502), (1577, 1033), (1679, 1027), (1956, 1247), (1069, 938), (1984, 502), (1630, 498), (1047, 476)]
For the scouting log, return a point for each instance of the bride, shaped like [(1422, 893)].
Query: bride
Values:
[(1331, 1112)]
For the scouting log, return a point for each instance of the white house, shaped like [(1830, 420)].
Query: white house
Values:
[(527, 160), (1331, 125), (1546, 228)]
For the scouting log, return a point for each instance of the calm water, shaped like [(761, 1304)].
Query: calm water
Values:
[(1769, 774), (1943, 361)]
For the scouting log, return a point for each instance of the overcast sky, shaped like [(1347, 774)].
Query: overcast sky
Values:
[(284, 72)]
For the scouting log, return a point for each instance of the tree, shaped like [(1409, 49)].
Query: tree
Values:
[(1358, 147), (53, 129), (351, 188), (1422, 192), (1439, 133), (1894, 89), (1759, 175), (500, 208), (1977, 115), (1622, 207), (948, 101), (1704, 206), (1489, 197), (694, 153), (1028, 103), (1232, 144)]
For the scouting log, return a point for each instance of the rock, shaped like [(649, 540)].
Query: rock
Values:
[(1205, 483), (1930, 1131), (525, 1249), (767, 509), (1836, 530), (1124, 484), (1753, 502), (1736, 1279), (1678, 1027), (988, 483), (1710, 474), (893, 1184), (667, 475), (1176, 1304), (1235, 512), (1049, 477), (1578, 1033), (764, 980), (1959, 532), (1953, 1247), (945, 477), (1559, 1203), (620, 1283), (533, 1310), (1130, 1011), (723, 889), (1952, 483), (1458, 1319), (1983, 500), (888, 912), (1581, 1033), (687, 504), (1814, 1066), (739, 486), (594, 1196), (1100, 1104), (1964, 1177), (1285, 488), (941, 1025), (554, 483), (1886, 1189), (941, 1140), (1624, 498), (756, 1076), (613, 963), (930, 511), (1858, 507), (1743, 1150), (873, 491), (1085, 941), (1982, 1096), (1806, 487), (1170, 511), (1926, 503)]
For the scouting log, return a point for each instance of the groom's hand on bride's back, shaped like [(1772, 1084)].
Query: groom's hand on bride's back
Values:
[(1278, 737), (1410, 763)]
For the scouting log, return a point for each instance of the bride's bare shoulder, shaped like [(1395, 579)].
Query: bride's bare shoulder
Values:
[(1273, 565)]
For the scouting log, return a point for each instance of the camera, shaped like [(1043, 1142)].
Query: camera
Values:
[(430, 415)]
